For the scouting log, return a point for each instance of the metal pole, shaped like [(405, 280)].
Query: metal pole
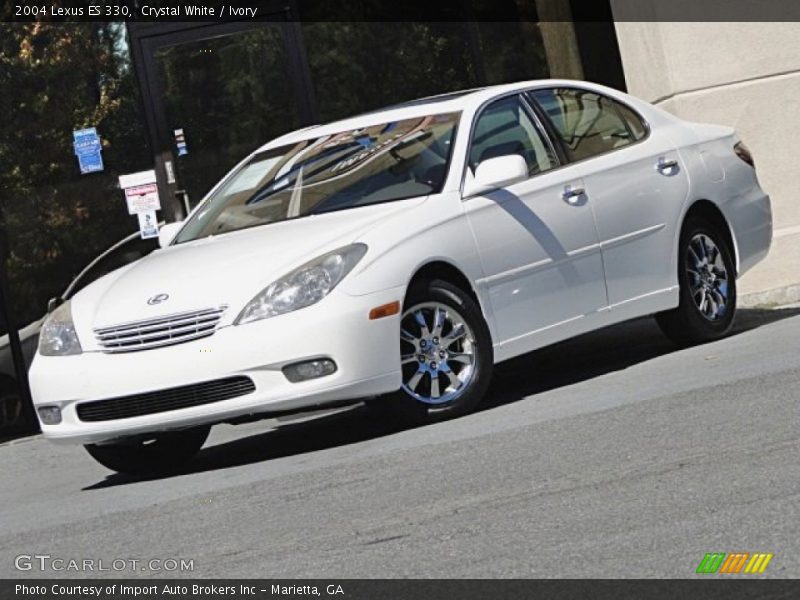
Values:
[(20, 370)]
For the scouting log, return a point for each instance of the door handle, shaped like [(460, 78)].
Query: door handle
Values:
[(572, 194), (667, 166)]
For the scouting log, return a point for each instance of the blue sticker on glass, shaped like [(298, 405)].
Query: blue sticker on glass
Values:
[(86, 141), (90, 163), (86, 144), (180, 142)]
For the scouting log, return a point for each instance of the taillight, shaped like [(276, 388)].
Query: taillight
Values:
[(743, 152)]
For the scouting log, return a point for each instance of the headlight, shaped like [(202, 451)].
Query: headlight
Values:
[(58, 337), (304, 286)]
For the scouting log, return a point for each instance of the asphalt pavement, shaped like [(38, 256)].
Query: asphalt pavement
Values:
[(611, 455)]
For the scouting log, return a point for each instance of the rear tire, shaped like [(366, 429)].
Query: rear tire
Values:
[(158, 454), (707, 279), (446, 362)]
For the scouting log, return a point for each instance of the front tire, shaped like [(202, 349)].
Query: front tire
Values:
[(159, 454), (446, 355), (707, 279)]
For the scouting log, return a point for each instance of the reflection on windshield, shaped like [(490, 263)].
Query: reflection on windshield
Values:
[(379, 163)]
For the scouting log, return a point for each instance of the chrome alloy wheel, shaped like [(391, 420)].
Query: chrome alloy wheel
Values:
[(437, 350), (708, 277)]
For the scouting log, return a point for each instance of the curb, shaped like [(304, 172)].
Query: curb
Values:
[(789, 294)]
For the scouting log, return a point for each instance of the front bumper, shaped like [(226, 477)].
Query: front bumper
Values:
[(367, 355)]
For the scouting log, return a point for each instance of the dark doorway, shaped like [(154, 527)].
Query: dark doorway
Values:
[(212, 94)]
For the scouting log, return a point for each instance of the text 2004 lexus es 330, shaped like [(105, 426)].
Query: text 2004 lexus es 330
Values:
[(398, 256)]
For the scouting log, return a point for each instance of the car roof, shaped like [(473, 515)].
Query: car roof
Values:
[(425, 100), (465, 101)]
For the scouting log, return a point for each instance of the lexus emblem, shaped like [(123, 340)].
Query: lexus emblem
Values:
[(158, 299)]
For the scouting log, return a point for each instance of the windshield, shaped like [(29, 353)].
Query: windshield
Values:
[(379, 163)]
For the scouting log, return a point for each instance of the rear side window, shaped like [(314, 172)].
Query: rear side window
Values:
[(505, 127), (588, 123), (633, 120)]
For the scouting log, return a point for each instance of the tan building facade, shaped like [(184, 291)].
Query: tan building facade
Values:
[(742, 74)]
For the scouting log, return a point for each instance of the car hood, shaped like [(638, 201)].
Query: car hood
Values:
[(228, 269)]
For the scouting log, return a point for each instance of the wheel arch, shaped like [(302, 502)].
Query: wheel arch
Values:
[(440, 269), (443, 269), (709, 211)]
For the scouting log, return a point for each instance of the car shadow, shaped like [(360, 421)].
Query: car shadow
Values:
[(538, 229), (342, 428), (600, 352), (588, 356)]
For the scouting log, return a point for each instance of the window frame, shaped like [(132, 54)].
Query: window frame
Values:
[(532, 113), (553, 131)]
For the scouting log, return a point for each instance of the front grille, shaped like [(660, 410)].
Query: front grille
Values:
[(162, 331), (150, 403)]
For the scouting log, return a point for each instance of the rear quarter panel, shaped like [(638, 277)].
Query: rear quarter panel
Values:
[(721, 177)]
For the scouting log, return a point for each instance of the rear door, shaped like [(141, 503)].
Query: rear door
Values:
[(636, 183)]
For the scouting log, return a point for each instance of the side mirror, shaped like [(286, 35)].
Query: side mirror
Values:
[(168, 232), (494, 173)]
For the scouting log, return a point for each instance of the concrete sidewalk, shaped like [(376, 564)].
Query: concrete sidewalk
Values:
[(776, 280)]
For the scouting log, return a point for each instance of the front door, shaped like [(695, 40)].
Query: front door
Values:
[(537, 238), (215, 94)]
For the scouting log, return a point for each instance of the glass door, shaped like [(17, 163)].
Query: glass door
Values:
[(218, 97)]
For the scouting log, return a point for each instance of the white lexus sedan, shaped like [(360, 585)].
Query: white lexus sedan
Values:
[(397, 256)]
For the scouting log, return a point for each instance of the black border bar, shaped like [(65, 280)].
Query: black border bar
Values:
[(398, 589), (162, 11)]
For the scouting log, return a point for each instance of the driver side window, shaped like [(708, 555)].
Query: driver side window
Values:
[(505, 127)]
